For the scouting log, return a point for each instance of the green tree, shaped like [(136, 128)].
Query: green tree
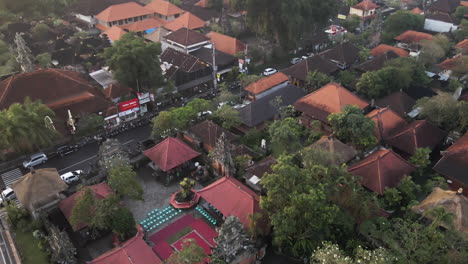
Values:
[(90, 124), (8, 62), (434, 50), (190, 253), (199, 105), (460, 12), (287, 23), (399, 22), (241, 162), (122, 180), (82, 211), (226, 96), (44, 60), (421, 159), (163, 124), (316, 79), (186, 187), (23, 126), (246, 79), (40, 32), (104, 210), (285, 135), (346, 78), (15, 213), (462, 31), (135, 63), (215, 4), (351, 125), (329, 253), (440, 217), (391, 199), (441, 110), (227, 116), (351, 23), (297, 206), (123, 224)]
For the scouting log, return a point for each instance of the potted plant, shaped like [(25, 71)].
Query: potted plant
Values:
[(185, 194)]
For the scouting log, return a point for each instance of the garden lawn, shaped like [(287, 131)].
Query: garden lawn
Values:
[(30, 252)]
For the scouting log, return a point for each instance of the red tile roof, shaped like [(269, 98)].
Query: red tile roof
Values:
[(454, 161), (61, 90), (187, 20), (164, 8), (383, 48), (266, 83), (186, 37), (387, 122), (329, 99), (399, 102), (114, 33), (452, 63), (418, 134), (464, 3), (226, 44), (122, 11), (382, 169), (462, 45), (417, 11), (202, 3), (116, 90), (317, 63), (231, 197), (411, 36), (170, 153), (366, 5), (100, 191), (133, 251), (143, 25)]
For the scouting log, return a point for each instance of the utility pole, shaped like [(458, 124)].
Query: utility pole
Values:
[(215, 82)]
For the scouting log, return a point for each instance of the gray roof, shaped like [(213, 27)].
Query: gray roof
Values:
[(261, 110)]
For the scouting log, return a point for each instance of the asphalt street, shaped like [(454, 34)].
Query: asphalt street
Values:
[(83, 158)]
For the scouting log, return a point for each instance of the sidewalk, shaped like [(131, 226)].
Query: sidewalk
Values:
[(8, 253)]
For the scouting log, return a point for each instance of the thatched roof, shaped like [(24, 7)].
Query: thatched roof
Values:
[(451, 202), (39, 188), (344, 152)]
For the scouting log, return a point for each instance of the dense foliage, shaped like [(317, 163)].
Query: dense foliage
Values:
[(401, 21)]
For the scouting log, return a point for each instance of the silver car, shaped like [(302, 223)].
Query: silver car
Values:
[(34, 160), (7, 195), (72, 176)]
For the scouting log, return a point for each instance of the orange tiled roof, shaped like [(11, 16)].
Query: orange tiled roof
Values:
[(143, 25), (382, 48), (226, 44), (462, 44), (464, 3), (366, 5), (329, 99), (452, 63), (101, 27), (202, 3), (411, 36), (122, 11), (164, 8), (114, 33), (387, 122), (417, 11), (383, 168), (266, 83), (187, 20)]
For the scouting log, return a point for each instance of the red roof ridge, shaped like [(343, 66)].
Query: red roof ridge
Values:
[(383, 154), (7, 86)]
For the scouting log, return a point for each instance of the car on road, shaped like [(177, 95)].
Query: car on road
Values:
[(72, 176), (66, 149), (296, 60), (34, 160), (269, 71), (7, 195)]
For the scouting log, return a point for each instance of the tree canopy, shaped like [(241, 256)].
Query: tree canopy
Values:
[(285, 135), (190, 253), (135, 63), (23, 126), (287, 22), (330, 253), (351, 125), (227, 116), (122, 179), (399, 22)]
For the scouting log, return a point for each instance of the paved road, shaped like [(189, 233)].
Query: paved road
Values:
[(82, 159)]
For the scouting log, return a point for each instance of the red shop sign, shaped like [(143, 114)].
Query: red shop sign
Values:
[(127, 105)]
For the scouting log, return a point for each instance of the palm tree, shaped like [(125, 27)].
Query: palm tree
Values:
[(254, 229), (439, 217), (24, 127)]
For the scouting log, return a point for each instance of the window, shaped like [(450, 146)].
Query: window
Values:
[(120, 22), (177, 15)]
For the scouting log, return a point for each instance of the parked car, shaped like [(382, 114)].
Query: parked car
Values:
[(72, 176), (34, 160), (7, 195), (269, 71), (66, 149), (296, 60)]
